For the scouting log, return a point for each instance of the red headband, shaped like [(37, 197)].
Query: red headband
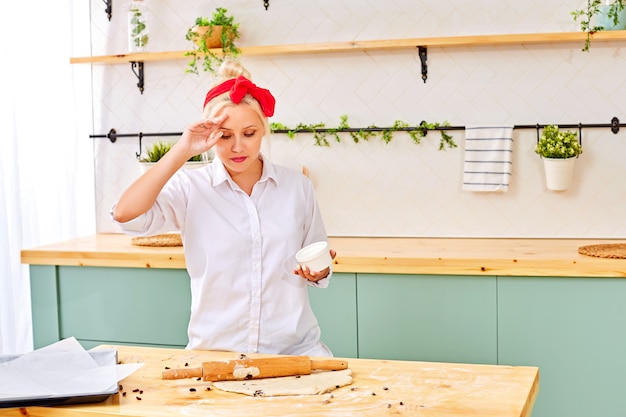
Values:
[(238, 88)]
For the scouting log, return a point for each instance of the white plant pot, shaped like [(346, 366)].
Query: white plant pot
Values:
[(145, 166), (559, 173)]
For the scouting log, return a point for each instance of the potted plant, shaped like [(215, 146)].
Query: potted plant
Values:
[(156, 151), (559, 151), (138, 34), (220, 31), (600, 15)]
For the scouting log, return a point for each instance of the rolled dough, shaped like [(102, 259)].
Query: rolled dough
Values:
[(315, 383)]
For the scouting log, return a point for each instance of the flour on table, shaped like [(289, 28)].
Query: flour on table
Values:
[(240, 372), (315, 383)]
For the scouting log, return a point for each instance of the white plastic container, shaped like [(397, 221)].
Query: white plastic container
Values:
[(315, 256)]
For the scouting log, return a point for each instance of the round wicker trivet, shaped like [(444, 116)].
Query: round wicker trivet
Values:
[(167, 239), (607, 250)]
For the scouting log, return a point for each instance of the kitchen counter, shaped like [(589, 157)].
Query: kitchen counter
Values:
[(466, 256), (379, 387)]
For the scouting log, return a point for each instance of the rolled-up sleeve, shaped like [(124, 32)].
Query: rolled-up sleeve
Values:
[(165, 214)]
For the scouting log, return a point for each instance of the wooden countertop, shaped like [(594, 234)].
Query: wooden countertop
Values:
[(503, 257), (379, 387)]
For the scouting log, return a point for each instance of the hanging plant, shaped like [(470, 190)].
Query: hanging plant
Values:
[(555, 143), (595, 8), (220, 31), (321, 133)]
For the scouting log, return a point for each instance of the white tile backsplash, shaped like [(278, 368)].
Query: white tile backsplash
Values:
[(395, 189)]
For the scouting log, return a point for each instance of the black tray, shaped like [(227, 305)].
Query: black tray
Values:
[(104, 357)]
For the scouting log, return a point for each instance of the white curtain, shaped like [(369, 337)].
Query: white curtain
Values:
[(46, 156)]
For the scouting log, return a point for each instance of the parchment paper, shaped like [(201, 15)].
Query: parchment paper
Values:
[(63, 369)]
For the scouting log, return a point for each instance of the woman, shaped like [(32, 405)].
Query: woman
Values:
[(242, 220)]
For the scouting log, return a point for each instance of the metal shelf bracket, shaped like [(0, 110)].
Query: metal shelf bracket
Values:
[(109, 8), (423, 51), (138, 73)]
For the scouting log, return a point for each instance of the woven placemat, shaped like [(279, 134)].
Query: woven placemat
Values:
[(167, 239), (607, 250)]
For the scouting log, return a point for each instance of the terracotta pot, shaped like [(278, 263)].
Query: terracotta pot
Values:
[(212, 41)]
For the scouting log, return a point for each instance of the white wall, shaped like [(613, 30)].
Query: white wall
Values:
[(400, 189)]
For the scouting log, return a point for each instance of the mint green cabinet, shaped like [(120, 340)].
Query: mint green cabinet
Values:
[(427, 318), (140, 306), (335, 309), (574, 330), (44, 300), (100, 305)]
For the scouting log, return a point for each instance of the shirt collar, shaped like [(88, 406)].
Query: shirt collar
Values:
[(269, 170), (221, 175)]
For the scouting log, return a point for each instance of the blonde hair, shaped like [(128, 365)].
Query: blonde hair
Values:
[(228, 70)]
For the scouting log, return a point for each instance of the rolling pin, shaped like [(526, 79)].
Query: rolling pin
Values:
[(248, 368)]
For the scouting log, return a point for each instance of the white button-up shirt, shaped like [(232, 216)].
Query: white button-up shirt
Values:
[(240, 254)]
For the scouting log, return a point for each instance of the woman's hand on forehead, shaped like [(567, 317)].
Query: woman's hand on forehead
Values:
[(200, 136), (213, 122)]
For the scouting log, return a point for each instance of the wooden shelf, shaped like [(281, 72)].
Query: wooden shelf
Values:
[(389, 44)]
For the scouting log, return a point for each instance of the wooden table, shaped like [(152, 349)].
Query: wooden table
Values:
[(379, 388)]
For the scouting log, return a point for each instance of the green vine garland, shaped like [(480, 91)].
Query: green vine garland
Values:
[(321, 133)]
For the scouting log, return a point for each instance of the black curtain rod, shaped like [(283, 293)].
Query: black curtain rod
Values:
[(614, 125)]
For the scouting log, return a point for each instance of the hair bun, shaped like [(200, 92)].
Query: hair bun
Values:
[(232, 69)]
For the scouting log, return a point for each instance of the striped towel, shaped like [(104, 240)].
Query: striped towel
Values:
[(488, 151)]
